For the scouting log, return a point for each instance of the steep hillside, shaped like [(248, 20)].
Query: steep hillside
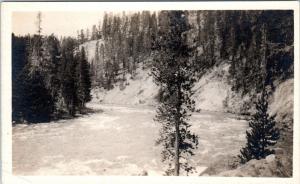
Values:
[(282, 101), (90, 48), (212, 91), (138, 90)]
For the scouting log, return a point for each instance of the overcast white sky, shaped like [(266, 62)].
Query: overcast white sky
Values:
[(60, 23)]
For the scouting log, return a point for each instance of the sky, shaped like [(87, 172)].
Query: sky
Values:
[(60, 23)]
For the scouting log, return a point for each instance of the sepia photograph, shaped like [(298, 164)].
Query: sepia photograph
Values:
[(153, 92)]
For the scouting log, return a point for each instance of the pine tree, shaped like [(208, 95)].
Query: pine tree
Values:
[(94, 33), (82, 36), (88, 36), (84, 80), (68, 75), (19, 61), (173, 72), (49, 66), (153, 29), (36, 102), (99, 34), (95, 69), (105, 30), (39, 23), (263, 133)]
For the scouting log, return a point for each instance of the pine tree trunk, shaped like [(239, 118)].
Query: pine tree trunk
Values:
[(177, 133), (177, 166)]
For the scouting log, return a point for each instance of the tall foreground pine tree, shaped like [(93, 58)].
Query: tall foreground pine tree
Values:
[(173, 72), (263, 133)]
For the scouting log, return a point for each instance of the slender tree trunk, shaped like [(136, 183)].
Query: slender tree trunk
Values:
[(177, 166), (72, 108), (177, 133), (124, 66)]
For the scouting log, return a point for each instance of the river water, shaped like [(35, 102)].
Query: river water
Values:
[(117, 140)]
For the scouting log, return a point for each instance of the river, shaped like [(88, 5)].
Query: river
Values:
[(118, 140)]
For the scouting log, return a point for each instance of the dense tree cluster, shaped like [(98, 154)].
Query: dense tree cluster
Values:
[(50, 79), (253, 41), (126, 42), (84, 36), (246, 40)]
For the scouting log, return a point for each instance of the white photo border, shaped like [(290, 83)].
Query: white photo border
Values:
[(7, 8)]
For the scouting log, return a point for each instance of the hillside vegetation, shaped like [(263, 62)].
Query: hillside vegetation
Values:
[(234, 54)]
